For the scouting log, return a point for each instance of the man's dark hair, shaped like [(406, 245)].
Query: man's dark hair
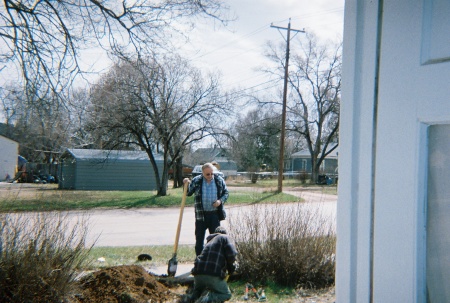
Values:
[(220, 230)]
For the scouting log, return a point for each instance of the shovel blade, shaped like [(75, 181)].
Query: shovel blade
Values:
[(172, 268)]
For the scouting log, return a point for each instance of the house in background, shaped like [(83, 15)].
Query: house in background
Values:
[(301, 162), (92, 169), (215, 154), (227, 167), (9, 152)]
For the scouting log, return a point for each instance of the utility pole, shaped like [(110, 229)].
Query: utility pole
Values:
[(283, 114)]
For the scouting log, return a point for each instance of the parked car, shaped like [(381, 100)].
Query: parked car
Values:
[(198, 171), (46, 178), (324, 180)]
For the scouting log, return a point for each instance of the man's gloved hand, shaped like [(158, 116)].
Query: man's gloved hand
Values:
[(231, 268)]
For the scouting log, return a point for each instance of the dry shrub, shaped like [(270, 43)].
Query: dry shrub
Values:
[(289, 244), (40, 254)]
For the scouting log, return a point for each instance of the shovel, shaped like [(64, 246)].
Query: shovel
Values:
[(173, 263)]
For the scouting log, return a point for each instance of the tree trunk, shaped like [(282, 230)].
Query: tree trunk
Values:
[(162, 179), (314, 169), (162, 191), (314, 175), (178, 173)]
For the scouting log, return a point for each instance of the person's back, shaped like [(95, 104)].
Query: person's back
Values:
[(211, 266), (217, 253)]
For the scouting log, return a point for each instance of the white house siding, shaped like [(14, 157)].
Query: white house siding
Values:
[(396, 66), (354, 213), (9, 151)]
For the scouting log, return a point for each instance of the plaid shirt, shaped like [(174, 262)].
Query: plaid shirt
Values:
[(219, 253), (196, 187), (209, 195)]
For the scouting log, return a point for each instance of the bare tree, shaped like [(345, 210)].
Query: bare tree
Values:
[(78, 111), (314, 94), (40, 127), (157, 106), (256, 140), (45, 38), (10, 96), (44, 128)]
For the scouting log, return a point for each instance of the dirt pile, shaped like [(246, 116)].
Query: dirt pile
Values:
[(133, 284), (124, 284)]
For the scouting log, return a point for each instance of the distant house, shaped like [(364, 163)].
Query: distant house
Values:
[(92, 169), (301, 162), (215, 154), (9, 152), (228, 167)]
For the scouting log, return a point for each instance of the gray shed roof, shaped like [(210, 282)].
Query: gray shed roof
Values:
[(8, 139), (226, 164), (98, 154), (208, 154)]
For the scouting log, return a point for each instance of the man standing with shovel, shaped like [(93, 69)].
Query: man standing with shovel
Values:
[(210, 195)]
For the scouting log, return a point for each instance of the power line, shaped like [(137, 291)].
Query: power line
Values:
[(238, 92), (283, 117), (231, 42), (318, 13), (241, 51), (266, 26)]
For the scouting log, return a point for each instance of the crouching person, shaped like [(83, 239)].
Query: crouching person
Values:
[(211, 268)]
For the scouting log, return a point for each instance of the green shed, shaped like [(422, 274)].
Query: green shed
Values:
[(93, 169)]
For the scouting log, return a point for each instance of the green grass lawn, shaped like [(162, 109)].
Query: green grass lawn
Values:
[(44, 197), (161, 254)]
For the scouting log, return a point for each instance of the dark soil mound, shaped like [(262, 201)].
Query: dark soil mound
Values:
[(124, 284)]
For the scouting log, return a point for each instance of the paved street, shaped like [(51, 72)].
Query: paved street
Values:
[(156, 226)]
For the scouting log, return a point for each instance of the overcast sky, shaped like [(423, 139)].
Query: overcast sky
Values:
[(238, 50)]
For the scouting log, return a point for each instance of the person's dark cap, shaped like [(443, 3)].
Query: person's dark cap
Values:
[(220, 230)]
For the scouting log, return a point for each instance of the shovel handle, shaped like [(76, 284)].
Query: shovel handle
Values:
[(180, 219)]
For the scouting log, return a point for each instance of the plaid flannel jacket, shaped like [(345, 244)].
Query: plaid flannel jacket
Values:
[(218, 254), (196, 187)]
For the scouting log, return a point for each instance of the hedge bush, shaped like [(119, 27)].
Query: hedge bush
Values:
[(292, 245), (40, 255)]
